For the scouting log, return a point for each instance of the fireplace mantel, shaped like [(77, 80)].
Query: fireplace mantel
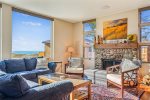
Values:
[(118, 46)]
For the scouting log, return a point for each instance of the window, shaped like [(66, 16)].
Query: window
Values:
[(31, 35), (144, 23), (89, 36), (0, 32)]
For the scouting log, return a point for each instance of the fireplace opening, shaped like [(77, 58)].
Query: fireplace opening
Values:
[(109, 62)]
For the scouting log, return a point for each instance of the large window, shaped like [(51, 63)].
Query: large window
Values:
[(144, 24), (31, 35), (89, 35)]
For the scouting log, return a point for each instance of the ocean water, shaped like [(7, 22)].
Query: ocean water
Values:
[(26, 52)]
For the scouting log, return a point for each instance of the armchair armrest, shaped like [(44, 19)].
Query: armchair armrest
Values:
[(130, 77), (112, 69)]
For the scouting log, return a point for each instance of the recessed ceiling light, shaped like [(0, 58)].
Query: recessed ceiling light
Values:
[(106, 7)]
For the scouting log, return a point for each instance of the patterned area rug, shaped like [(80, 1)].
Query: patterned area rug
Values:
[(101, 92)]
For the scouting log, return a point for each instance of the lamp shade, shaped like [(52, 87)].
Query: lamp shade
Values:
[(70, 49)]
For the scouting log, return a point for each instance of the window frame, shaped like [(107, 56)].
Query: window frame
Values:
[(87, 32), (140, 29)]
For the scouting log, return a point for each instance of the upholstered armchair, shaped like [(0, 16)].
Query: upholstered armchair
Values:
[(123, 75), (74, 66)]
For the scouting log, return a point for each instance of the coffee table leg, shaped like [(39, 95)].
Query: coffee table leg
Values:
[(89, 91), (40, 81), (72, 95)]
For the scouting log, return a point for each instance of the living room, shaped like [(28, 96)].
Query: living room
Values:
[(76, 50)]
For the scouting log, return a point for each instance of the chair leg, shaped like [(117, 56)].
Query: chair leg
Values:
[(122, 91), (107, 84)]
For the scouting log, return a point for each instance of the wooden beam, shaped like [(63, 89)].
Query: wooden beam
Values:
[(32, 13), (144, 8), (88, 21)]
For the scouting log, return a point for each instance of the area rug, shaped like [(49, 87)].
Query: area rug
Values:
[(101, 92)]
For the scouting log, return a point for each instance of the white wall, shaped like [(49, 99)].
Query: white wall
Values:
[(78, 39), (6, 31), (132, 21), (63, 37)]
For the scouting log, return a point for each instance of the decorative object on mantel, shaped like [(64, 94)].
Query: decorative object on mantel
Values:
[(132, 38), (116, 29), (100, 40), (117, 45)]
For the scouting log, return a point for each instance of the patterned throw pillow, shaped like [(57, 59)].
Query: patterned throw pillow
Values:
[(42, 63), (127, 65)]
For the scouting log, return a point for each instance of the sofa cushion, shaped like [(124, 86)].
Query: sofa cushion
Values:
[(12, 85), (32, 84), (74, 70), (15, 65), (30, 63), (116, 78), (42, 71), (27, 74), (2, 66)]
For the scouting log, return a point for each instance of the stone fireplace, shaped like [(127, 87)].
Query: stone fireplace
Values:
[(111, 54)]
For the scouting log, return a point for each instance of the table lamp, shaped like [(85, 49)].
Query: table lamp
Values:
[(70, 50)]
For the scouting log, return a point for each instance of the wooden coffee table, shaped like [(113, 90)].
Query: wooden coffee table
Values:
[(77, 83)]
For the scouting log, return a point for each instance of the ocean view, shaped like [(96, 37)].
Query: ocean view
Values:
[(26, 52)]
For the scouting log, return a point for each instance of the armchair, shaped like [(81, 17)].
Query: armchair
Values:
[(123, 77), (75, 66)]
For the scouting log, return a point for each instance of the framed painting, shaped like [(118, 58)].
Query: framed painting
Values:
[(116, 29)]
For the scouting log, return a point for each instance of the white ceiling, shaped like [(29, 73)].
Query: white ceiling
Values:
[(78, 10)]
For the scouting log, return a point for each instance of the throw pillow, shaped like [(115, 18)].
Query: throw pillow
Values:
[(13, 85), (2, 73), (42, 63), (127, 65), (30, 63), (15, 65), (2, 66)]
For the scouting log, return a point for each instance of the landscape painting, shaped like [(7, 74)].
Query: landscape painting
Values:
[(116, 29)]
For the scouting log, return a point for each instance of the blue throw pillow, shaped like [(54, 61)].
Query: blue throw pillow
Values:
[(15, 65), (2, 73), (12, 85), (52, 66), (2, 66), (30, 63)]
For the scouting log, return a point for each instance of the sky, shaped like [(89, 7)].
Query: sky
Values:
[(145, 17), (28, 32)]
